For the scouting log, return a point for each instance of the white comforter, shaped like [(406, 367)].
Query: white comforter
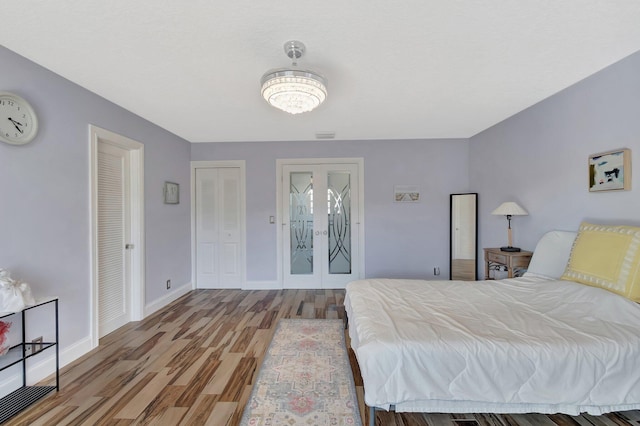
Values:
[(518, 345)]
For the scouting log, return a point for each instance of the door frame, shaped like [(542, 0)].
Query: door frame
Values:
[(358, 221), (136, 199), (241, 164)]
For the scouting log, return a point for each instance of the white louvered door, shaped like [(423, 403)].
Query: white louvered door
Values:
[(113, 235)]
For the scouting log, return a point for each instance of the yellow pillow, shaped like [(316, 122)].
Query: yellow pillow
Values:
[(607, 257)]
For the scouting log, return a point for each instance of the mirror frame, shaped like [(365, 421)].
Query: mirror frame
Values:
[(475, 270)]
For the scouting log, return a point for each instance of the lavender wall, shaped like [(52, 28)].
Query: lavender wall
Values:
[(44, 188), (401, 240), (539, 158)]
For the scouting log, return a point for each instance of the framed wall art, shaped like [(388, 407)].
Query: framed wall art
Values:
[(406, 193), (609, 171), (171, 193)]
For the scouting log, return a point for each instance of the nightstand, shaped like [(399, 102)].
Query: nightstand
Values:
[(512, 260)]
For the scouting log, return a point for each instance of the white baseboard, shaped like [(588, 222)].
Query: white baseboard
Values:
[(262, 285), (160, 303)]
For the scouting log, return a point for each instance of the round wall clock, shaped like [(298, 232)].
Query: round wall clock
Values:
[(18, 120)]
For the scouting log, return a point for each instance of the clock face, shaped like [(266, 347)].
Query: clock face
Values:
[(18, 121)]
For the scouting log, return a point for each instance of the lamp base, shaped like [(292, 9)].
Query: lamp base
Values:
[(510, 249)]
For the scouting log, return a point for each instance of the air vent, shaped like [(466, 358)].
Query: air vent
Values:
[(325, 135)]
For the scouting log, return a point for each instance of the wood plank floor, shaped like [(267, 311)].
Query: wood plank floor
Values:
[(194, 362)]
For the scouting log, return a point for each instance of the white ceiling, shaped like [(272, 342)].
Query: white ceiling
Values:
[(396, 69)]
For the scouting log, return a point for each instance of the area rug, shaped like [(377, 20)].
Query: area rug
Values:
[(305, 378)]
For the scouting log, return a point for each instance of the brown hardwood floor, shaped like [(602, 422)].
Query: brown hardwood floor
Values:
[(194, 362)]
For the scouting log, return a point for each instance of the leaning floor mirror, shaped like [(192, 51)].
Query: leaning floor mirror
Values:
[(464, 237)]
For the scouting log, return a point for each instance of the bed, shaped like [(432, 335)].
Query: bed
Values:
[(536, 343)]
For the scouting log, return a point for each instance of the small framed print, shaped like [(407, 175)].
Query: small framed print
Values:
[(406, 193), (609, 171), (171, 193)]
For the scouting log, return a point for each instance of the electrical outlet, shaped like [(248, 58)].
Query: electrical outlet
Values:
[(436, 270), (168, 284), (36, 344)]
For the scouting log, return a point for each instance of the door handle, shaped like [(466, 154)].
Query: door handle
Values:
[(128, 246)]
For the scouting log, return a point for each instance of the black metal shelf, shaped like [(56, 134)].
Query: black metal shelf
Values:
[(15, 354), (21, 398)]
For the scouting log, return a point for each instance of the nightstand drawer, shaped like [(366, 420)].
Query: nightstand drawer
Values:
[(499, 258), (520, 262)]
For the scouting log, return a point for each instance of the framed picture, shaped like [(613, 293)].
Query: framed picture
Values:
[(610, 171), (406, 193), (171, 193)]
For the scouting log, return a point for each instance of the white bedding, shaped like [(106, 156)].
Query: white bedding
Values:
[(527, 344)]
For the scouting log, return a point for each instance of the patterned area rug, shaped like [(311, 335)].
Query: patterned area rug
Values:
[(305, 378)]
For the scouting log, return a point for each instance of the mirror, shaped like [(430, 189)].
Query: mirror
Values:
[(464, 237)]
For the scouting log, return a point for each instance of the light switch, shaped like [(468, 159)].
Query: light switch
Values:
[(272, 219)]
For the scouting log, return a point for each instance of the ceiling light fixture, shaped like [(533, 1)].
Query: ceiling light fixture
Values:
[(292, 89)]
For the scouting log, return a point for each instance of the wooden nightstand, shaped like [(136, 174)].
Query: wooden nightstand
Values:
[(512, 260)]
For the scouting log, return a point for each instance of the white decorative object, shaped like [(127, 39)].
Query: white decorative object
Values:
[(14, 294)]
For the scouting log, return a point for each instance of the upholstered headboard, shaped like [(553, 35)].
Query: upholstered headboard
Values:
[(551, 254)]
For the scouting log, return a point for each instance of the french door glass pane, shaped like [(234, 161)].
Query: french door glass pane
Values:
[(339, 200), (301, 222)]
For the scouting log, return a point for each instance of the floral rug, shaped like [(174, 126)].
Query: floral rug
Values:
[(305, 378)]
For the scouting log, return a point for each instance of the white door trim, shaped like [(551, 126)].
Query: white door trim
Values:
[(136, 152), (280, 214), (241, 164)]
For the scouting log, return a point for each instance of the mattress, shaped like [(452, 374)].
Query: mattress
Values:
[(519, 345)]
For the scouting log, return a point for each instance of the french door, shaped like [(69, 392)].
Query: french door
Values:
[(320, 225)]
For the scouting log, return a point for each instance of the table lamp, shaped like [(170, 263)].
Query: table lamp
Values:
[(509, 209)]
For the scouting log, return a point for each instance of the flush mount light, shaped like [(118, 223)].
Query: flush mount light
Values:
[(292, 89)]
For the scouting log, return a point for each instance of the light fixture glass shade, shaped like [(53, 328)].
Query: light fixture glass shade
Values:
[(294, 91), (510, 209)]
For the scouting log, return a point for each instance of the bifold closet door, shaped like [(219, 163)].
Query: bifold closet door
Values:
[(218, 228)]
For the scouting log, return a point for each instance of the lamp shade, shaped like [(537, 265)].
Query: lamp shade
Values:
[(510, 208)]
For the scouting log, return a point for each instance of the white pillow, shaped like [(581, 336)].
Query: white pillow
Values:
[(552, 254)]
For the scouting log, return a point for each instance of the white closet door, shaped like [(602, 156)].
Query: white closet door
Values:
[(113, 234), (219, 251)]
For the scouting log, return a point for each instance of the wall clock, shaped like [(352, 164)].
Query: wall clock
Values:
[(18, 120), (171, 193)]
